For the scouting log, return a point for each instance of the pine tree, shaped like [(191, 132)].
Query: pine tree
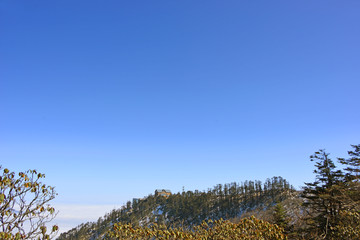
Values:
[(322, 196), (352, 164), (280, 217), (351, 185)]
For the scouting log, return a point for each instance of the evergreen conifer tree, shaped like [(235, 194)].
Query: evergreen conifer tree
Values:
[(352, 179), (352, 164), (322, 196), (280, 217)]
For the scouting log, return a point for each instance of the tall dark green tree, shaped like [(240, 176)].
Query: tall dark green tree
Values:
[(353, 163), (351, 185), (322, 195), (280, 217)]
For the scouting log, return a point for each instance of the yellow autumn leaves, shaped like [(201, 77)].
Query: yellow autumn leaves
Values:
[(247, 228), (24, 202)]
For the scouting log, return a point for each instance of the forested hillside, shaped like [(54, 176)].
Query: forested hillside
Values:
[(328, 208), (186, 209)]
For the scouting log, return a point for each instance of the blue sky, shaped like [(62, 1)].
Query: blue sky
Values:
[(114, 99)]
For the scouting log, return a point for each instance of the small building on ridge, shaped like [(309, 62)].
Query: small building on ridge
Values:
[(162, 192)]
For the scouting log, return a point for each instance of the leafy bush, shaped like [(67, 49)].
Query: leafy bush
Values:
[(247, 228), (24, 208)]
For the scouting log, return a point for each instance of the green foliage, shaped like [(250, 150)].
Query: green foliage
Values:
[(352, 164), (24, 208), (351, 183), (327, 208), (334, 198), (187, 209), (322, 196), (280, 217)]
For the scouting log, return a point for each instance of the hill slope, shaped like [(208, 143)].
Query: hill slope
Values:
[(228, 201)]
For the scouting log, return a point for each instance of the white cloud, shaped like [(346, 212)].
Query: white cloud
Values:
[(71, 215)]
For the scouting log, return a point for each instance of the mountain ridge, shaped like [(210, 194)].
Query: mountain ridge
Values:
[(230, 201)]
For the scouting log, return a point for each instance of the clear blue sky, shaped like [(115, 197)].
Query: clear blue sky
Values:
[(113, 99)]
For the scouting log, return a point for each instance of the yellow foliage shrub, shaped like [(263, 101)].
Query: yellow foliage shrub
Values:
[(247, 228)]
